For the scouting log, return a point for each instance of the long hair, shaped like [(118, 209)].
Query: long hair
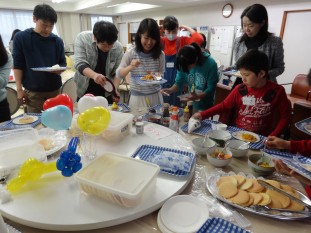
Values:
[(256, 13), (3, 53), (188, 55), (14, 33), (149, 26)]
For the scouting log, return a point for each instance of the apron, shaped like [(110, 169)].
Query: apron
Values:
[(170, 75)]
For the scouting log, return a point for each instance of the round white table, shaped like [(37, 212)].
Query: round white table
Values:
[(56, 202)]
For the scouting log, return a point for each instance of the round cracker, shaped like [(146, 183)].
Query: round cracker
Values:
[(246, 185), (295, 206), (250, 201), (257, 198), (227, 189), (275, 204), (231, 179), (274, 195), (265, 199), (256, 187), (242, 197), (287, 188), (274, 183), (241, 179)]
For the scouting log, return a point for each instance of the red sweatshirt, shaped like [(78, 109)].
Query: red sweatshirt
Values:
[(254, 109), (303, 147), (170, 46)]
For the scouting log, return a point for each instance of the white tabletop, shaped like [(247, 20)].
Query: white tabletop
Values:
[(56, 202)]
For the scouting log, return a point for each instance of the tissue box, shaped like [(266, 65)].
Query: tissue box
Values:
[(118, 179)]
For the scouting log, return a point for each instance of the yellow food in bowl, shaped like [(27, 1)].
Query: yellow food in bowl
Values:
[(216, 154), (148, 77), (249, 137)]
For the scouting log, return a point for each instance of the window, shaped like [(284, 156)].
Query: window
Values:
[(96, 18), (15, 19)]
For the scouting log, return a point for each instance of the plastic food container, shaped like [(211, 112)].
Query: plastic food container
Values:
[(119, 127), (118, 179), (16, 146)]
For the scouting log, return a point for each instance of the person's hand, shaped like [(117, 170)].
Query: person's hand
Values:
[(277, 143), (184, 27), (135, 63), (22, 97), (166, 91), (282, 168), (197, 116), (99, 79)]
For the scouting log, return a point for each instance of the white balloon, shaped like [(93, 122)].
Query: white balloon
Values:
[(87, 102)]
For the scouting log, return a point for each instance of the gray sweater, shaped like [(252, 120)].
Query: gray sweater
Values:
[(273, 47), (86, 53), (4, 76)]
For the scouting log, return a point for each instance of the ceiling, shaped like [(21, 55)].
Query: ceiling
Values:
[(105, 7)]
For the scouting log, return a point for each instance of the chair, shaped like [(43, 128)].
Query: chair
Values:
[(301, 111), (70, 88), (12, 99), (300, 91), (125, 88)]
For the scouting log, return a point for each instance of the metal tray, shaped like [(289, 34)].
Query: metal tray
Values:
[(272, 213)]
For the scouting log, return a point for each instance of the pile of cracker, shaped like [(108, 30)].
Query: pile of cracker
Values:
[(247, 192)]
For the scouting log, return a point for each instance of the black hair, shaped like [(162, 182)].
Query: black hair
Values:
[(255, 61), (170, 23), (45, 12), (149, 26), (256, 13), (105, 31), (14, 33), (203, 45), (188, 55), (3, 53)]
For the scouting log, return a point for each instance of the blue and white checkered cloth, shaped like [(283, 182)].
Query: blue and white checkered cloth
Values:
[(10, 125), (219, 225)]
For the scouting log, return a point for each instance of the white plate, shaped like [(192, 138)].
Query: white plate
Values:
[(16, 120), (184, 214), (58, 138), (307, 127), (120, 109), (161, 226), (238, 135), (50, 69)]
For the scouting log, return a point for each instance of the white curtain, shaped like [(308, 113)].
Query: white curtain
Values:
[(96, 18), (15, 19)]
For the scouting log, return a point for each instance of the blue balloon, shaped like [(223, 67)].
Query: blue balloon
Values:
[(58, 117)]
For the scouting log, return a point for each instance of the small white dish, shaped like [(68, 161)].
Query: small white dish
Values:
[(184, 214), (161, 226), (16, 120), (239, 135), (120, 109)]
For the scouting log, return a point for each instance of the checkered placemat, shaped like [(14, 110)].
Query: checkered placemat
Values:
[(219, 225), (125, 107), (10, 125)]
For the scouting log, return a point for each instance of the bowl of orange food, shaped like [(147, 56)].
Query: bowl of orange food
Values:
[(219, 157), (261, 164)]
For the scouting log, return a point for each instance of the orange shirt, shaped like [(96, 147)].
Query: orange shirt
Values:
[(170, 46)]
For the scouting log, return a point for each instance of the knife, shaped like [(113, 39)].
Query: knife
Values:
[(269, 186)]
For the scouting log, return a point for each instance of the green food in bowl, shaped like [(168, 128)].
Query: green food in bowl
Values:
[(219, 136)]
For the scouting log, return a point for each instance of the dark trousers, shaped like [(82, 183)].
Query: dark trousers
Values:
[(5, 114)]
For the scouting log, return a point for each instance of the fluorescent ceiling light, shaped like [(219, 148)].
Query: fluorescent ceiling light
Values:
[(57, 1), (130, 6)]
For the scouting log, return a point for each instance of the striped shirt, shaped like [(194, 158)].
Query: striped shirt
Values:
[(148, 64)]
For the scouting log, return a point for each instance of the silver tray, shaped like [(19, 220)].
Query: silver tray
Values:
[(260, 210)]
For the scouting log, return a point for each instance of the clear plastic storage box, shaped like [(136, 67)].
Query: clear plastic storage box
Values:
[(118, 179), (119, 127), (16, 146)]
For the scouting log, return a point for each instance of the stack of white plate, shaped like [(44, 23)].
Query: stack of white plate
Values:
[(182, 214)]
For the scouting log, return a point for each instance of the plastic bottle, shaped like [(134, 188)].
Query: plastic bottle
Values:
[(174, 123), (166, 111), (186, 114), (190, 106)]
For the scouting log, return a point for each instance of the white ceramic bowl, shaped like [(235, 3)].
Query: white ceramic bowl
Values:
[(260, 170), (198, 146), (219, 136), (215, 161), (238, 148)]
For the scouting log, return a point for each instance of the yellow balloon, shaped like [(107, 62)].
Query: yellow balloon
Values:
[(94, 120), (31, 170)]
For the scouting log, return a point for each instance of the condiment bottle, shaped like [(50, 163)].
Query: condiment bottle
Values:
[(190, 106), (174, 124), (140, 127), (186, 114), (166, 111)]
